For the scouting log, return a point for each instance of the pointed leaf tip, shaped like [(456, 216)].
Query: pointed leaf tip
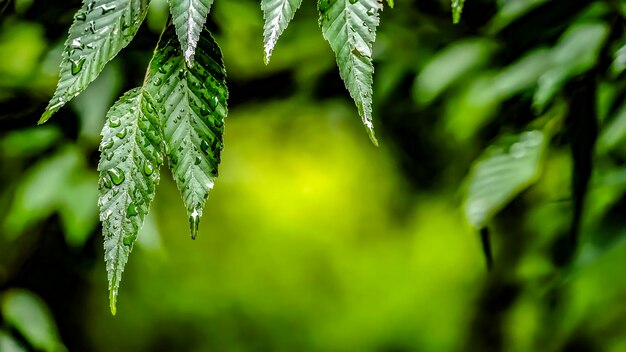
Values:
[(277, 15), (349, 26), (189, 19), (113, 302), (193, 129)]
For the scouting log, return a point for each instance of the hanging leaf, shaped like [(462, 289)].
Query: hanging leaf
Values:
[(129, 165), (277, 14), (504, 170), (457, 9), (189, 17), (192, 106), (100, 30), (350, 28)]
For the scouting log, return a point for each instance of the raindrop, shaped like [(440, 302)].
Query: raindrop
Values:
[(121, 134), (132, 209), (81, 16), (107, 8), (77, 65), (157, 81), (128, 240), (371, 12), (108, 145), (197, 161), (204, 146), (114, 122), (194, 220), (148, 169), (116, 175), (107, 182)]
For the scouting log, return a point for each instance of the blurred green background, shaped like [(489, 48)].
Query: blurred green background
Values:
[(313, 239)]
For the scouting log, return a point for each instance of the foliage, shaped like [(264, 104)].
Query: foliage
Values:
[(308, 225)]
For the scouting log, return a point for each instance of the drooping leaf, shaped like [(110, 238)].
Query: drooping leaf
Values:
[(277, 14), (28, 314), (577, 51), (100, 30), (505, 169), (131, 155), (457, 9), (192, 106), (189, 17), (350, 28)]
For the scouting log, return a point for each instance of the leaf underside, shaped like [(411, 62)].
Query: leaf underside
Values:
[(191, 102), (131, 156), (189, 17), (457, 9), (349, 26), (277, 14), (99, 31), (504, 170)]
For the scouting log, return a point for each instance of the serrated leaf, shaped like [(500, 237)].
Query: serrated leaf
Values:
[(505, 169), (350, 28), (192, 106), (131, 155), (457, 9), (189, 17), (277, 14), (99, 31)]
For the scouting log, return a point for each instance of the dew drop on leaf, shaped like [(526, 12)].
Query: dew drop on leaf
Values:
[(132, 209), (77, 65), (204, 146), (121, 134), (194, 221), (148, 169), (116, 175)]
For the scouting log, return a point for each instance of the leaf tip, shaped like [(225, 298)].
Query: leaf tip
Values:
[(194, 221), (113, 301)]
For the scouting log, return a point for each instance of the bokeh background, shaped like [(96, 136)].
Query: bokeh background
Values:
[(313, 239)]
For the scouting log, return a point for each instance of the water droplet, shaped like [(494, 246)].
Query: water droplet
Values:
[(121, 134), (107, 8), (76, 44), (518, 150), (194, 221), (158, 157), (116, 175), (108, 144), (107, 182), (113, 122), (157, 81), (81, 16), (371, 12), (148, 169), (92, 27), (77, 65), (174, 159), (197, 161), (204, 146), (132, 209), (128, 240), (353, 1), (90, 6)]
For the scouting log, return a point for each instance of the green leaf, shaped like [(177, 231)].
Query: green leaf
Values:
[(391, 3), (576, 52), (100, 30), (131, 156), (189, 17), (505, 169), (457, 9), (9, 344), (277, 14), (29, 315), (350, 28), (192, 106)]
